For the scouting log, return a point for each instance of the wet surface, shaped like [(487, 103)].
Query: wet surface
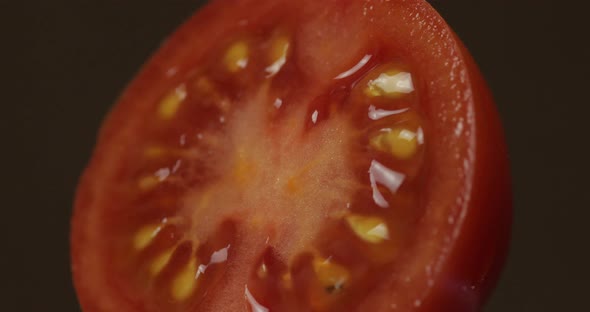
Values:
[(55, 110)]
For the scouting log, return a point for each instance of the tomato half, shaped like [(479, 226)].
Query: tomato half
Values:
[(335, 155)]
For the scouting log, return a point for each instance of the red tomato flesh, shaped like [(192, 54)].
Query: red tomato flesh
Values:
[(297, 156)]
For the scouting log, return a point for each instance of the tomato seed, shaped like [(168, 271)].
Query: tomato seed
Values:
[(185, 281), (145, 235), (390, 84), (161, 261), (401, 143), (236, 57), (278, 55), (370, 229), (170, 104)]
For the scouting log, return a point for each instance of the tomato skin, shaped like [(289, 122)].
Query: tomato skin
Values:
[(480, 239), (479, 253), (469, 263)]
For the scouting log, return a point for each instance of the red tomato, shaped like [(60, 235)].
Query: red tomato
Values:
[(335, 155)]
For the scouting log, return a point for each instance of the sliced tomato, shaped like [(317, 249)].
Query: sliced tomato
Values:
[(335, 155)]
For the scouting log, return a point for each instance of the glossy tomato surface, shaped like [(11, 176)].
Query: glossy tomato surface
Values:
[(336, 155)]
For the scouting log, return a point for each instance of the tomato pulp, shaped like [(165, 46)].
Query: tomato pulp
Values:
[(335, 155)]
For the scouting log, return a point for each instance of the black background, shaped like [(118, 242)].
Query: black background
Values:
[(65, 62)]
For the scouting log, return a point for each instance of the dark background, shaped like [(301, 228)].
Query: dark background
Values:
[(65, 62)]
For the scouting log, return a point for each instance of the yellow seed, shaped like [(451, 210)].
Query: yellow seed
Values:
[(402, 143), (278, 54), (331, 276), (206, 88), (370, 229), (393, 83), (161, 261), (236, 57), (171, 102), (148, 182), (279, 48), (372, 91), (145, 235), (154, 152), (185, 282)]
